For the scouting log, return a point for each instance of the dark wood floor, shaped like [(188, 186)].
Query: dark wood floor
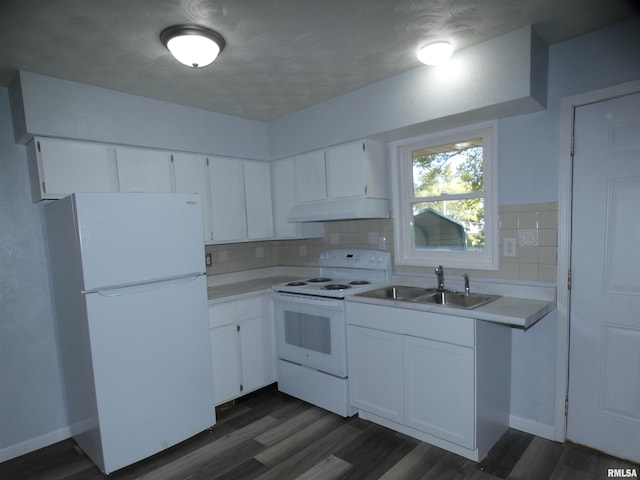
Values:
[(273, 436)]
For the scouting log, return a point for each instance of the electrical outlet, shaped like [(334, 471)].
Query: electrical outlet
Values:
[(509, 247), (207, 259)]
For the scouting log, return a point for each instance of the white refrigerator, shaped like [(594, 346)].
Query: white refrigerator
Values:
[(130, 294)]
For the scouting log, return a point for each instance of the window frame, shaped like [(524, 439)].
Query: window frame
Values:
[(403, 199)]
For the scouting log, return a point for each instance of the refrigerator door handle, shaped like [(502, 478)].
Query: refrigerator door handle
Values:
[(127, 289)]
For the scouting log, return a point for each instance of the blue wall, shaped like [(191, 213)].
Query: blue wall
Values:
[(31, 395), (59, 108)]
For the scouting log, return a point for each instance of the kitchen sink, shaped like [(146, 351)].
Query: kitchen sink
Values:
[(430, 296), (396, 292), (456, 299)]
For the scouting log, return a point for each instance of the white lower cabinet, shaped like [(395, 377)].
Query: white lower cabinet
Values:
[(375, 380), (443, 379), (242, 343), (439, 389)]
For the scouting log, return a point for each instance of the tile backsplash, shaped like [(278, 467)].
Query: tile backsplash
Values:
[(527, 250)]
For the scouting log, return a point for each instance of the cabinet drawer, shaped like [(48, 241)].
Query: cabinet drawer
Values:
[(436, 326), (250, 307), (222, 314), (417, 323)]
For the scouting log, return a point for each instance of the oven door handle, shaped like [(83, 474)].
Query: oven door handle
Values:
[(307, 300)]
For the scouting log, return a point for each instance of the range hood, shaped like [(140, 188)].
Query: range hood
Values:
[(339, 209)]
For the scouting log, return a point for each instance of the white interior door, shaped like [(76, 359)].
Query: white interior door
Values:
[(604, 358)]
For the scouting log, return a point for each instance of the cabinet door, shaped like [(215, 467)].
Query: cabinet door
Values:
[(141, 170), (228, 199), (252, 354), (284, 197), (257, 184), (310, 177), (346, 170), (440, 389), (64, 166), (226, 363), (192, 176), (375, 380)]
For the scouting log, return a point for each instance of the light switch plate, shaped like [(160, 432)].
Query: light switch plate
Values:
[(509, 247)]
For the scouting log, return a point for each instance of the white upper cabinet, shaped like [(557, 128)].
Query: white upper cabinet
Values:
[(310, 177), (344, 182), (241, 199), (357, 169), (228, 206), (284, 198), (143, 170), (257, 184), (192, 176), (61, 167), (354, 169)]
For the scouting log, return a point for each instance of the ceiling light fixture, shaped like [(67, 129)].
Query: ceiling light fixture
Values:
[(192, 45), (435, 53)]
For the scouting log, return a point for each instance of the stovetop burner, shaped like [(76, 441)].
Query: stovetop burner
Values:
[(319, 280), (341, 273), (336, 286)]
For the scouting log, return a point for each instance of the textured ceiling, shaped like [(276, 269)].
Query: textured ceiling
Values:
[(281, 55)]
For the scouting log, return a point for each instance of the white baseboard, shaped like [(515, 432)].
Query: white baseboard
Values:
[(32, 444), (532, 426)]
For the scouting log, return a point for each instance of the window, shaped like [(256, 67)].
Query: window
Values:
[(444, 199)]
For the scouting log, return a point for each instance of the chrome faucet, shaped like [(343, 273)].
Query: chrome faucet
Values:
[(440, 275), (467, 290)]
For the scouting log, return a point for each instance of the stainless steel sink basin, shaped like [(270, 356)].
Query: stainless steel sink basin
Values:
[(432, 296), (456, 299), (396, 292)]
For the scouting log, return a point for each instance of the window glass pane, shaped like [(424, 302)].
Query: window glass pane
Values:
[(449, 225), (448, 169)]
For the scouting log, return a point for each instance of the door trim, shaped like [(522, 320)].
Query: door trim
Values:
[(568, 106)]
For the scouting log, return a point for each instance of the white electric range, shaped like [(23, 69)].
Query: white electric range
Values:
[(311, 326)]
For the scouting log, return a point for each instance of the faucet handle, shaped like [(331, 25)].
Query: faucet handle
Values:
[(467, 290)]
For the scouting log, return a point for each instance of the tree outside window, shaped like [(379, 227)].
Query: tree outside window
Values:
[(440, 175)]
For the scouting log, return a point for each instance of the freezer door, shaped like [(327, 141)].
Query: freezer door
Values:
[(152, 370), (127, 238)]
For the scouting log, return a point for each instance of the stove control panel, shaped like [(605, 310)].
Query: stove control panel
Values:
[(356, 258)]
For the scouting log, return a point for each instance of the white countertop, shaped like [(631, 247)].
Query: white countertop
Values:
[(512, 311), (250, 282), (521, 304), (247, 286)]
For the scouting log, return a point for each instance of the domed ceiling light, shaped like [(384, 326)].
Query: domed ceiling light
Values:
[(435, 53), (192, 45)]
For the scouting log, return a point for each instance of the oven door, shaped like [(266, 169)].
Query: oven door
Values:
[(311, 331)]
